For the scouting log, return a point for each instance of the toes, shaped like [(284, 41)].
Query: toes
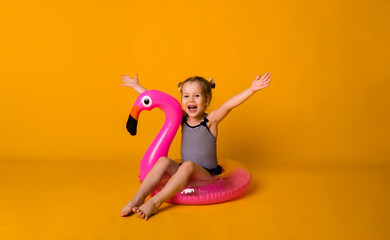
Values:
[(141, 214), (125, 212), (137, 211)]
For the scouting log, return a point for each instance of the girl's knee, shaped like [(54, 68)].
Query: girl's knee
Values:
[(194, 170), (163, 160), (167, 165), (188, 166)]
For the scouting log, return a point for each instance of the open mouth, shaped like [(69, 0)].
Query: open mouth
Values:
[(192, 109)]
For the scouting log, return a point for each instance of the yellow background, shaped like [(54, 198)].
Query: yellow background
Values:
[(326, 111)]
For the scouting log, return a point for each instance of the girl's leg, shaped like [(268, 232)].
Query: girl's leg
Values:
[(163, 166), (175, 184)]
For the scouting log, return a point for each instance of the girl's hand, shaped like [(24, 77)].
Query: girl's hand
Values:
[(130, 82), (261, 82)]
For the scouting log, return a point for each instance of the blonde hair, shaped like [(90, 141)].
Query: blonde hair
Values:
[(205, 85)]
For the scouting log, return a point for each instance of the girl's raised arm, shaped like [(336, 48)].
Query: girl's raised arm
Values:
[(259, 83), (132, 83)]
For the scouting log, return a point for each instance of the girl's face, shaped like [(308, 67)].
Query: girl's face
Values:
[(193, 101)]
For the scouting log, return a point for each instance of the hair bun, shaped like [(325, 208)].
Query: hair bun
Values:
[(179, 85), (212, 83)]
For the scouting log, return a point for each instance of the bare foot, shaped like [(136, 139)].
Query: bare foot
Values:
[(133, 203), (147, 209)]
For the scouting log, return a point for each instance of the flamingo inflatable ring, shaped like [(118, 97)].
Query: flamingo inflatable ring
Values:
[(231, 183)]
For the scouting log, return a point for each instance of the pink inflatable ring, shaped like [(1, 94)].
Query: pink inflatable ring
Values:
[(231, 183)]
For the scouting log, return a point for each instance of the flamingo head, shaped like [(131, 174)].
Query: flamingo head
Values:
[(151, 99), (143, 102)]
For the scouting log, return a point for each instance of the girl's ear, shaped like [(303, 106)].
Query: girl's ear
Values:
[(207, 101)]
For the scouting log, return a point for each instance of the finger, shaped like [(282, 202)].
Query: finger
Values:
[(268, 80), (266, 75), (136, 76)]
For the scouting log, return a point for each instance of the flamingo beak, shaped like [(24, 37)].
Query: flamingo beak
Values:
[(133, 120)]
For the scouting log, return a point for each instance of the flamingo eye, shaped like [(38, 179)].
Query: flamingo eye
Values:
[(147, 101)]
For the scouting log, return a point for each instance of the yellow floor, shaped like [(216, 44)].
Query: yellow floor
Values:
[(82, 200)]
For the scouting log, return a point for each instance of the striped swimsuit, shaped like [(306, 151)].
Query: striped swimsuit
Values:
[(198, 145)]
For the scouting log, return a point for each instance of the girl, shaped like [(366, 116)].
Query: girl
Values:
[(198, 145)]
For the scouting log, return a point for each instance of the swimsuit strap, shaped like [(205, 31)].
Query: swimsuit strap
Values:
[(204, 122)]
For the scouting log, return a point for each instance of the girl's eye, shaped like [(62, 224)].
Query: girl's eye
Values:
[(197, 95), (185, 96)]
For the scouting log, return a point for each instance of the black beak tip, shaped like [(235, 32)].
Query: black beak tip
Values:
[(131, 125)]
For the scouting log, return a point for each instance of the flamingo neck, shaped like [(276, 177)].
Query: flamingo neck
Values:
[(162, 142)]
